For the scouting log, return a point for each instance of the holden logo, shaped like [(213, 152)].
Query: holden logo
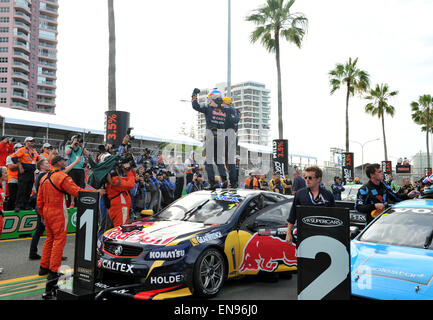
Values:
[(325, 222), (88, 200), (118, 251)]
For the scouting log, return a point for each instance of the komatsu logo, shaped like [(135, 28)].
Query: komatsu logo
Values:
[(166, 255)]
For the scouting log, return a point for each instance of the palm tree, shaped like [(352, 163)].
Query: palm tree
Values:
[(379, 106), (275, 20), (355, 81), (111, 58), (422, 115)]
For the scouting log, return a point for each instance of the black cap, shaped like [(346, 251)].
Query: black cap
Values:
[(57, 159)]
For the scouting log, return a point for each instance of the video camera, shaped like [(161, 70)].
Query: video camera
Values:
[(78, 137), (128, 132)]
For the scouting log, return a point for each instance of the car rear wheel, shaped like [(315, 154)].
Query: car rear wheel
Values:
[(209, 273)]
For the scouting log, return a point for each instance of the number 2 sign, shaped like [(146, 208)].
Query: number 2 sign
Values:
[(323, 253)]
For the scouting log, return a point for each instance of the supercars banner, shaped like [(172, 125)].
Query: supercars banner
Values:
[(348, 168), (280, 156), (323, 252)]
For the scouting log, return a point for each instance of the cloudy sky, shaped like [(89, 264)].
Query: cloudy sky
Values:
[(167, 48)]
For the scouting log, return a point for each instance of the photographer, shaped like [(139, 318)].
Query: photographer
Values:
[(74, 150), (120, 182), (179, 171), (192, 167), (198, 183), (152, 191), (139, 193), (167, 189), (146, 159)]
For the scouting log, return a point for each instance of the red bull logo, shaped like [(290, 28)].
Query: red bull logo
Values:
[(265, 252)]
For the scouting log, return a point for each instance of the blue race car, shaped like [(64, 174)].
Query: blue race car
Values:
[(392, 257)]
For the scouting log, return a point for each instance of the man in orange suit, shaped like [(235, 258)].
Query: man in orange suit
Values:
[(118, 193), (51, 203)]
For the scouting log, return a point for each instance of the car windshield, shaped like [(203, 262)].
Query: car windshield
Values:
[(409, 227), (350, 192), (204, 208)]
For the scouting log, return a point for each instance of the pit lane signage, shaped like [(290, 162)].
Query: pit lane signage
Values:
[(280, 156), (116, 126), (85, 240), (323, 253), (348, 167), (387, 169)]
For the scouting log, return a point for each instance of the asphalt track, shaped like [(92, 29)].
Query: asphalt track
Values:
[(20, 279)]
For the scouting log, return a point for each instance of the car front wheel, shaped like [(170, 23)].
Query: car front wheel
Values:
[(209, 273)]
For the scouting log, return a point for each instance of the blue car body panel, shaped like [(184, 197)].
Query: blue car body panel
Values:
[(391, 272)]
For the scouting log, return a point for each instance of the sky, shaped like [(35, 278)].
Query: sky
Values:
[(165, 49)]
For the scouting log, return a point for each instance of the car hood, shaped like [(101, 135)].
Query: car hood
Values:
[(391, 272), (159, 233)]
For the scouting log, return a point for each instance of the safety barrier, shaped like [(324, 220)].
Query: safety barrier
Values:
[(22, 224)]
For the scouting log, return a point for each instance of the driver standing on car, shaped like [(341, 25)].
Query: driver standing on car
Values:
[(375, 196)]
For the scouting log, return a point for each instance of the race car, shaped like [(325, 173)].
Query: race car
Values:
[(195, 244), (392, 257)]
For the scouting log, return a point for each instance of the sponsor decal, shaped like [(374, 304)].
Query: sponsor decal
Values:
[(166, 254), (325, 222), (264, 252), (209, 237), (88, 200), (137, 237), (224, 198), (115, 266), (166, 279), (357, 217)]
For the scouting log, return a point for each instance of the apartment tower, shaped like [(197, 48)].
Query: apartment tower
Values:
[(28, 54)]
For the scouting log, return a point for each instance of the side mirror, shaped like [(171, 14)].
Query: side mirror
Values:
[(147, 212)]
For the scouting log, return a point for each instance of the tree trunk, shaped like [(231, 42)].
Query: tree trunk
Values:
[(384, 138), (280, 98), (347, 115), (111, 58)]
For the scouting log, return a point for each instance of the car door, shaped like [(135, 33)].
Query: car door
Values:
[(261, 239)]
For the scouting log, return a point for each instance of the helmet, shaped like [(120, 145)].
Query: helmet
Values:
[(215, 95), (227, 100), (428, 180)]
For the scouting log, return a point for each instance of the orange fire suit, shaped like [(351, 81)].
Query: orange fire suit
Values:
[(52, 207), (1, 210), (120, 200)]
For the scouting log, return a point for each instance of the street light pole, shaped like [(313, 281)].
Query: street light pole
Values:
[(362, 150)]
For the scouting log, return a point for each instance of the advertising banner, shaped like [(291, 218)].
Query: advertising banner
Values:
[(323, 252), (348, 167), (280, 156), (116, 126), (402, 168), (387, 169), (22, 224)]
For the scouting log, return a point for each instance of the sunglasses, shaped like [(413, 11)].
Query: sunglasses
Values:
[(309, 178)]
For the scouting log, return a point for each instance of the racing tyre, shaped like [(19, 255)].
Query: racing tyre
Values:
[(209, 273)]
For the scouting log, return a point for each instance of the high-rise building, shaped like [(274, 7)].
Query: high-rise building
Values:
[(28, 54), (252, 99)]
